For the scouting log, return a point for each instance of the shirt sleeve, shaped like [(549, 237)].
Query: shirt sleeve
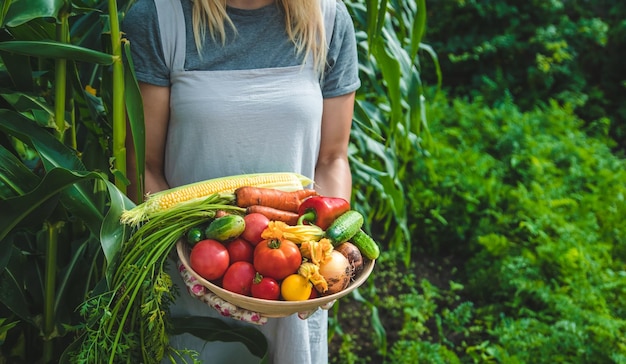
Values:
[(342, 71), (141, 29)]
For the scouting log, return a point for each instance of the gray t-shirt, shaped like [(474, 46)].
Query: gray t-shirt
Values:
[(260, 41)]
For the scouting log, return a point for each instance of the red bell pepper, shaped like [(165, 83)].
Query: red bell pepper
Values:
[(321, 210)]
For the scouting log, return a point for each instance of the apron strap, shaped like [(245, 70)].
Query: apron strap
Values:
[(173, 37), (329, 8)]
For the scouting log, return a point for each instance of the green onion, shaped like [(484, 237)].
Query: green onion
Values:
[(128, 323)]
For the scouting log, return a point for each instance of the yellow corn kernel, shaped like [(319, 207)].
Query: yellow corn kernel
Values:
[(167, 199)]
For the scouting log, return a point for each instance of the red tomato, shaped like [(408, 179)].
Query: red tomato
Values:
[(255, 224), (240, 250), (238, 278), (209, 258), (277, 258), (265, 287)]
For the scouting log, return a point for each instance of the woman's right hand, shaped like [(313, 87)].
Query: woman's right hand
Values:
[(225, 308)]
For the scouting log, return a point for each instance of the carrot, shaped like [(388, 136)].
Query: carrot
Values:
[(274, 214), (278, 199), (221, 213), (305, 193)]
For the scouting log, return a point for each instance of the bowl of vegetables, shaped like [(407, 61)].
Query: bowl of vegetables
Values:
[(180, 218), (272, 307), (278, 266)]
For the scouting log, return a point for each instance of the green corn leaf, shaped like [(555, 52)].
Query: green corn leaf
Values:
[(212, 329), (14, 210), (113, 233), (12, 293), (134, 110), (20, 70), (57, 50), (390, 69), (21, 12), (15, 177), (80, 198), (419, 27)]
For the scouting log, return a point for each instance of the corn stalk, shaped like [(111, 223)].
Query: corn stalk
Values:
[(52, 229), (118, 115)]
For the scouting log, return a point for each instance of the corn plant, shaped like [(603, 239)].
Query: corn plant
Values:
[(390, 127), (67, 92), (390, 124), (56, 185)]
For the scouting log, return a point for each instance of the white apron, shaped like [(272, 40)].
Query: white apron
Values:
[(236, 122)]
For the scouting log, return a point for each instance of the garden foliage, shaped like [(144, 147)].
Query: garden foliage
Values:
[(534, 51), (525, 211), (537, 206)]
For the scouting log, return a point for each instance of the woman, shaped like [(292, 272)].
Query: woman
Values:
[(243, 86)]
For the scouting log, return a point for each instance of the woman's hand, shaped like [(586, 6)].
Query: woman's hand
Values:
[(225, 308), (306, 314)]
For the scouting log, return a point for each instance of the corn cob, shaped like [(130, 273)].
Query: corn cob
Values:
[(165, 200)]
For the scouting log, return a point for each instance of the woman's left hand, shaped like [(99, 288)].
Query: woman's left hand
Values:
[(306, 314), (225, 308)]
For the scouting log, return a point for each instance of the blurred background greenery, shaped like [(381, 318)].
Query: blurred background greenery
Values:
[(487, 154)]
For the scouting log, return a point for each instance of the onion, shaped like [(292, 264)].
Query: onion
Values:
[(337, 271), (353, 254)]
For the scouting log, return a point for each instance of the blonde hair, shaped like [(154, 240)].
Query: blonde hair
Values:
[(303, 24)]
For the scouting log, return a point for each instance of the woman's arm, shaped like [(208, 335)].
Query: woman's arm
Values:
[(332, 172), (156, 101)]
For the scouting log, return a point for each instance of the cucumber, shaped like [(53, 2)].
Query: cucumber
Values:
[(344, 227), (194, 235), (368, 247), (225, 228)]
